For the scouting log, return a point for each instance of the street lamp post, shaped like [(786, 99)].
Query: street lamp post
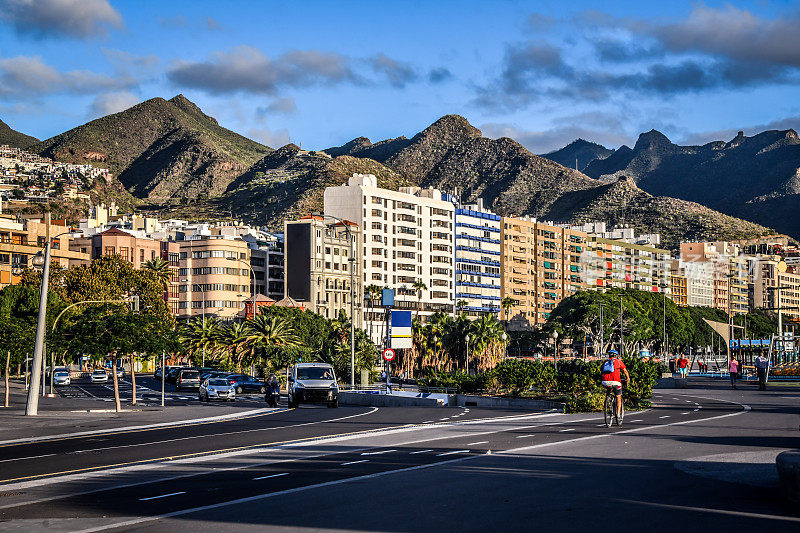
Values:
[(466, 359), (505, 344), (352, 261), (32, 407), (664, 323), (554, 335)]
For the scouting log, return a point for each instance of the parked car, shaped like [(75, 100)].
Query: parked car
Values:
[(120, 372), (61, 377), (157, 373), (187, 379), (172, 373), (313, 383), (216, 389), (245, 383), (99, 375), (208, 374)]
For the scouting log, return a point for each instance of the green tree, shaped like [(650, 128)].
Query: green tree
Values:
[(418, 287), (160, 269)]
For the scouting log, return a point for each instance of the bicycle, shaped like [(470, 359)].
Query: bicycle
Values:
[(610, 408)]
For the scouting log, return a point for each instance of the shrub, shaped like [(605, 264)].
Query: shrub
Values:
[(515, 375), (584, 402), (644, 375), (544, 376), (578, 376)]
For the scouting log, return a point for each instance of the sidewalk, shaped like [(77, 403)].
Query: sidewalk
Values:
[(69, 415)]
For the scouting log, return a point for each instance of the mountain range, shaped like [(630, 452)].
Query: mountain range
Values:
[(180, 162)]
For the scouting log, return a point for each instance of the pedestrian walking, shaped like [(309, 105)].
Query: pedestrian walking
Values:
[(762, 364), (733, 370), (683, 365)]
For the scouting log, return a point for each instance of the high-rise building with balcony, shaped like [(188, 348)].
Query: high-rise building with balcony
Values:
[(407, 239), (215, 272), (477, 259), (541, 265)]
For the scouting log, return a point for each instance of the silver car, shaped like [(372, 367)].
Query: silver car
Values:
[(99, 375), (61, 377), (216, 389)]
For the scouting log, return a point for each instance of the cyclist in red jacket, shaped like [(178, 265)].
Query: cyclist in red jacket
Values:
[(612, 378)]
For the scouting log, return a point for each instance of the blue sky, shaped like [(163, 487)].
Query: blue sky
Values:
[(322, 73)]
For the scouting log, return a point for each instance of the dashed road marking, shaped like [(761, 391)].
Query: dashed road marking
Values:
[(420, 451), (355, 462), (162, 496), (476, 443), (451, 453), (378, 452), (568, 429), (271, 475), (665, 416)]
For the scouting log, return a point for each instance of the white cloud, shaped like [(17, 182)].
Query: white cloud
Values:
[(78, 19), (113, 102), (271, 138)]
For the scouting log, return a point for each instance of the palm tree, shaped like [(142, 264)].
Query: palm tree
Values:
[(461, 305), (485, 336), (506, 304), (419, 286), (161, 269), (234, 339), (264, 331), (195, 334)]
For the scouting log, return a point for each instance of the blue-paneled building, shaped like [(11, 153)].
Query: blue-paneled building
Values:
[(477, 259)]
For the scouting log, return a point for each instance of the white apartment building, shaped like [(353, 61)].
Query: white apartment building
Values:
[(477, 259), (407, 238), (699, 281)]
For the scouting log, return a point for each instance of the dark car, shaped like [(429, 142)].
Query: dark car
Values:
[(245, 383), (187, 379), (207, 374), (172, 373)]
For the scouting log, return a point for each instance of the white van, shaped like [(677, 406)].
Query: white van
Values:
[(312, 383)]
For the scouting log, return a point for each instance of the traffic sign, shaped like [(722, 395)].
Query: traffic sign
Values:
[(388, 354)]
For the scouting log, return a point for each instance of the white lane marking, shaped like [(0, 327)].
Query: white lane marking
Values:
[(695, 410), (355, 462), (379, 452), (228, 416), (665, 416), (568, 429), (271, 475), (443, 419), (451, 453), (23, 458), (715, 511), (688, 401), (272, 495), (686, 413), (177, 439), (162, 496), (420, 451), (637, 420), (476, 443), (428, 422), (526, 436)]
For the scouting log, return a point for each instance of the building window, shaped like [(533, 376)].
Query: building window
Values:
[(141, 255)]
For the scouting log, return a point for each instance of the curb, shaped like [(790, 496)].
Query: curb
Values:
[(788, 464)]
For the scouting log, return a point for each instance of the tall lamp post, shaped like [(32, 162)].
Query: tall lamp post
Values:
[(554, 335), (202, 290), (352, 261), (664, 323), (466, 359), (32, 407)]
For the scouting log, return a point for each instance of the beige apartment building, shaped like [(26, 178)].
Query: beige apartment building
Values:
[(318, 265), (728, 272), (775, 284), (214, 273), (541, 265), (617, 263), (407, 237), (22, 239)]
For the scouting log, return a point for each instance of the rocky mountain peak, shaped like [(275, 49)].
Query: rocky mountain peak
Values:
[(652, 140), (190, 107), (450, 129)]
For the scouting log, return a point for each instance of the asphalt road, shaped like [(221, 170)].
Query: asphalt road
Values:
[(419, 469), (148, 391)]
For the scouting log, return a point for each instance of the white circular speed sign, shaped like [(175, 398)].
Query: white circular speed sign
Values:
[(388, 354)]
